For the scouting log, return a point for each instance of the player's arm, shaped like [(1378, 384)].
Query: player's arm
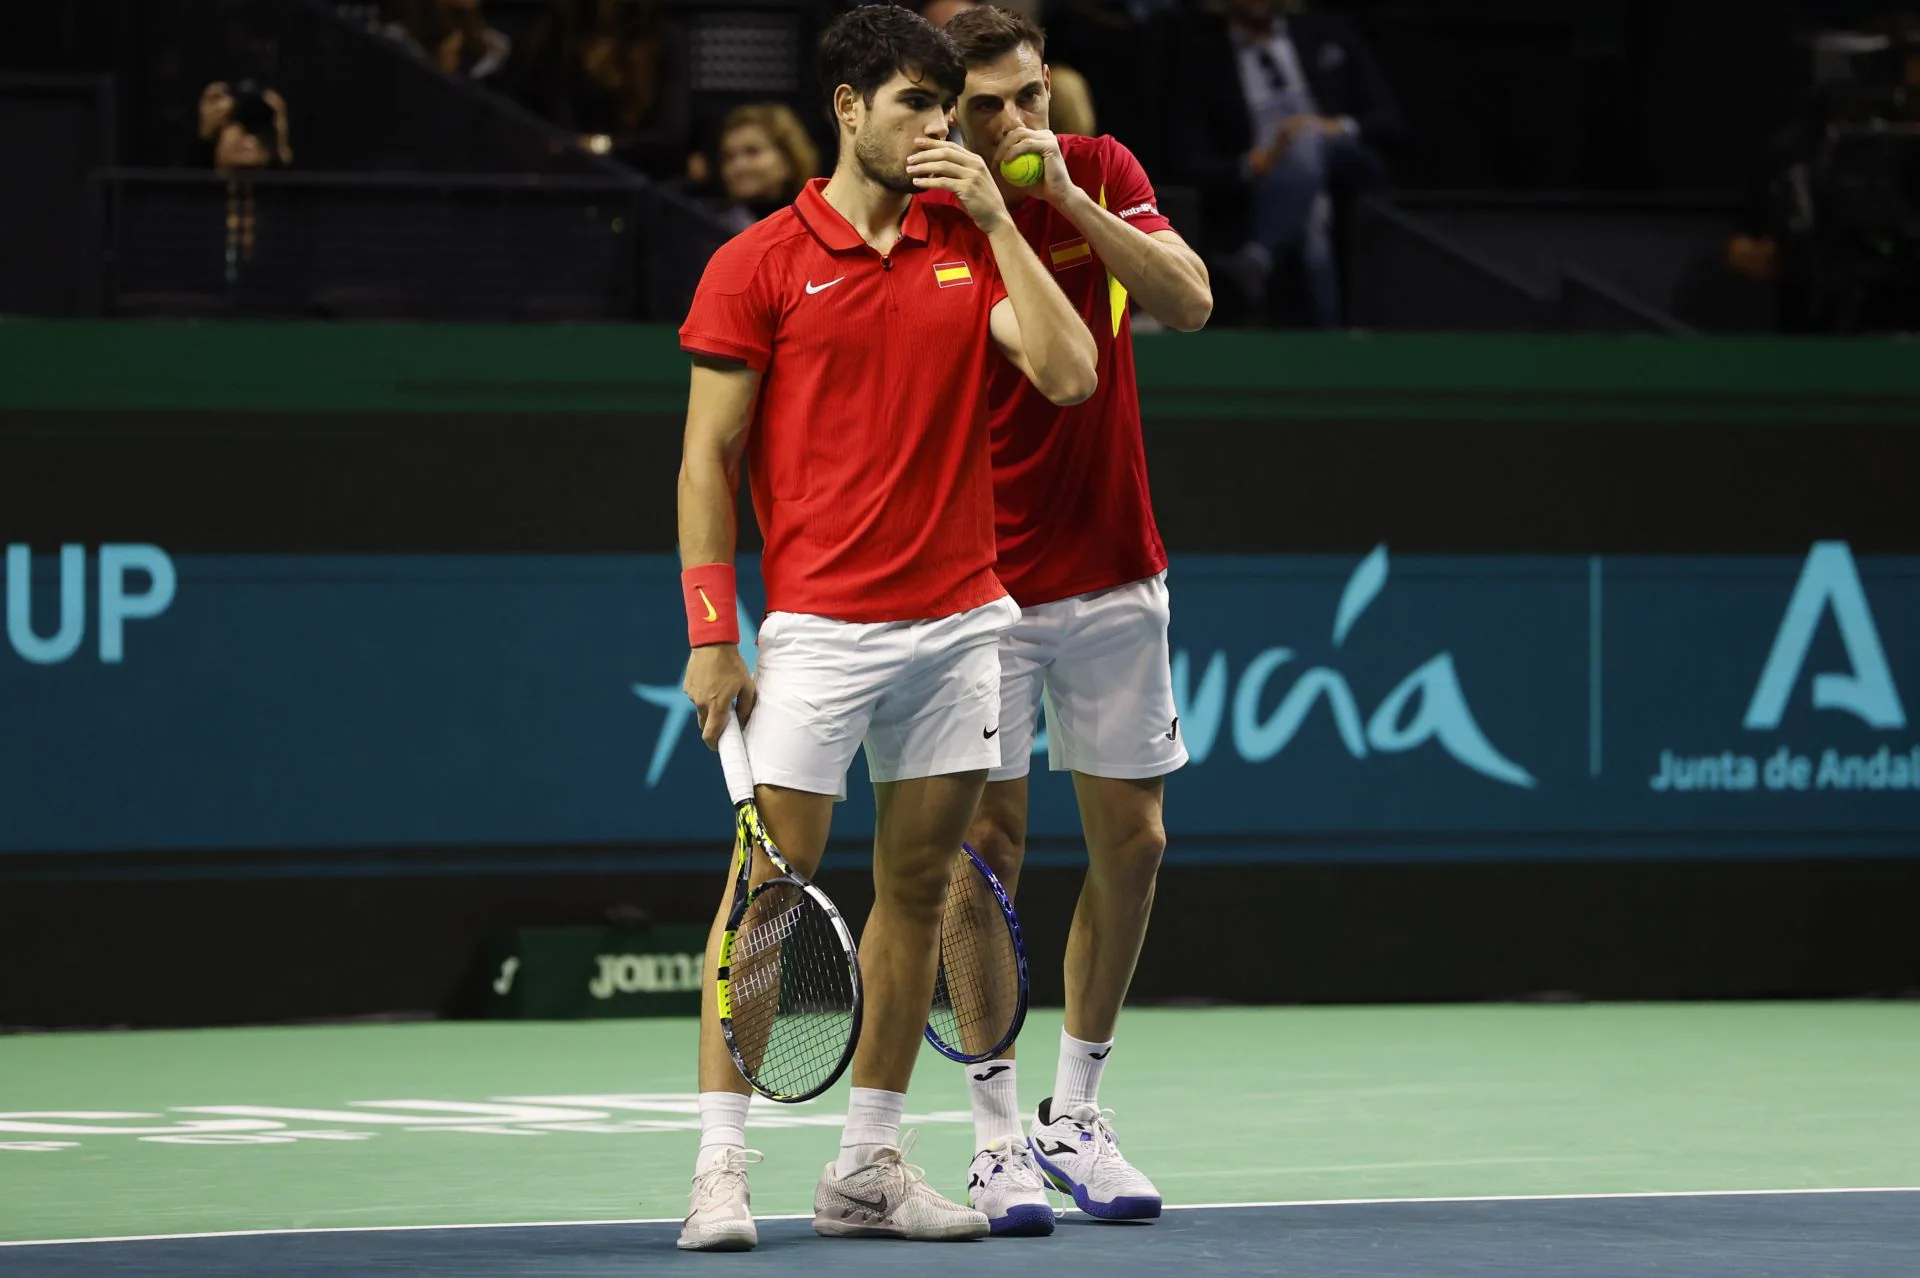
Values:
[(719, 409), (1158, 269), (1165, 276), (1035, 326)]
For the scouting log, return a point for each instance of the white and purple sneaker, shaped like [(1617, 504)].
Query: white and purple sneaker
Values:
[(1004, 1183), (1079, 1154)]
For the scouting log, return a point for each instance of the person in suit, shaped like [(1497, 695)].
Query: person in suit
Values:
[(1292, 111)]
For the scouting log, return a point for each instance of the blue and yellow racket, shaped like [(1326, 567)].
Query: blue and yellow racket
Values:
[(789, 973)]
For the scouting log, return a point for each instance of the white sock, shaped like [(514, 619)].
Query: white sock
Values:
[(873, 1124), (1078, 1082), (996, 1102), (723, 1126)]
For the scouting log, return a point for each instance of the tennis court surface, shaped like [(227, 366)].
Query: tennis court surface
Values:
[(1683, 1139)]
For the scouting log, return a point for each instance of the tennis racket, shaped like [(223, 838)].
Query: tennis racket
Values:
[(789, 974), (980, 995)]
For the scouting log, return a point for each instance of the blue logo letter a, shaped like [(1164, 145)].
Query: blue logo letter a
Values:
[(1828, 580)]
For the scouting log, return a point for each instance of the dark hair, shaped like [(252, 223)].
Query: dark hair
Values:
[(987, 33), (866, 47)]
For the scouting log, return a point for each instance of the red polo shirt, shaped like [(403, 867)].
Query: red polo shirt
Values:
[(1074, 511), (868, 451)]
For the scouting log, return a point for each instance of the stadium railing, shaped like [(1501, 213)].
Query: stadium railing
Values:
[(394, 246)]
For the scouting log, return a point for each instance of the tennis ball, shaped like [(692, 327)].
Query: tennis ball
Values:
[(1023, 170)]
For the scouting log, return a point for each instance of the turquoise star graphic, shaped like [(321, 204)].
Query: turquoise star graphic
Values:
[(679, 710)]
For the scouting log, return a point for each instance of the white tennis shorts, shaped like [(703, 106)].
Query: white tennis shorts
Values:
[(923, 695), (1101, 665)]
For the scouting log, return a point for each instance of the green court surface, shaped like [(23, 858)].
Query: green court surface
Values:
[(380, 1125)]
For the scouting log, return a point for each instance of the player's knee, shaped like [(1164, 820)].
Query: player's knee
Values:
[(999, 829), (1131, 863), (1001, 844), (915, 885)]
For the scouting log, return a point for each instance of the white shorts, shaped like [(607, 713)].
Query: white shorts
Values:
[(924, 695), (1101, 664)]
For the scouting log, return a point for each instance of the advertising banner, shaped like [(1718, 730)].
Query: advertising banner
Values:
[(1333, 706)]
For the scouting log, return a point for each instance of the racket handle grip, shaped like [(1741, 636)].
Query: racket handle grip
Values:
[(733, 759)]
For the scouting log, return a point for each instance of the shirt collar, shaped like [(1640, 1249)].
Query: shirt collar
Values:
[(838, 234)]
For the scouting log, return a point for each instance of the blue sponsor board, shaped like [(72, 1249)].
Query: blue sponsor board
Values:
[(1484, 706)]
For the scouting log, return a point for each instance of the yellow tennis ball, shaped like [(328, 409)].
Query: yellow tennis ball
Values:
[(1023, 170)]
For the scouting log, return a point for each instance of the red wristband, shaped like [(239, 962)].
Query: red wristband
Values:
[(707, 590)]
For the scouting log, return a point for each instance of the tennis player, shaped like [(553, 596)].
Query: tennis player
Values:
[(844, 346), (1080, 553)]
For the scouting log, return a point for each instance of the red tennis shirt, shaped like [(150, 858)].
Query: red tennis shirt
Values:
[(1074, 513), (868, 451)]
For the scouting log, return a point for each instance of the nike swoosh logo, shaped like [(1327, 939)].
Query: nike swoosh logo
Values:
[(813, 288), (1100, 1056), (878, 1206), (997, 1069), (988, 732), (711, 614)]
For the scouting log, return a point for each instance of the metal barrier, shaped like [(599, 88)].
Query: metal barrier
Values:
[(395, 246), (1406, 275), (1481, 263), (360, 101), (1590, 304)]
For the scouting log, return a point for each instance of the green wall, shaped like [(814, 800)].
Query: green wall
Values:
[(91, 365)]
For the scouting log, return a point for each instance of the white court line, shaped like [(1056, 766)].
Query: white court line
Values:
[(674, 1220)]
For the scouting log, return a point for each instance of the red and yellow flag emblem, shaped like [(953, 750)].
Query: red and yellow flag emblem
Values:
[(1072, 253), (952, 274)]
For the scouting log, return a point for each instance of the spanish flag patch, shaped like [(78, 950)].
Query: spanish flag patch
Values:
[(1071, 254), (952, 274)]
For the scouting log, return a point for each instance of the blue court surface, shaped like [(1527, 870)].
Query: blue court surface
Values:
[(1820, 1234)]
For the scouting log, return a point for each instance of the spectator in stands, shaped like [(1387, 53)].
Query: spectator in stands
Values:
[(243, 126), (450, 35), (216, 108), (616, 73), (1072, 107), (765, 157), (1291, 110)]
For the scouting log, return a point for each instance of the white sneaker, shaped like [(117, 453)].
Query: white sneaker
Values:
[(1004, 1184), (1078, 1152), (889, 1198), (721, 1216)]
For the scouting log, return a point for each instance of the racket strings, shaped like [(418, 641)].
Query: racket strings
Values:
[(769, 935), (977, 992), (791, 989)]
